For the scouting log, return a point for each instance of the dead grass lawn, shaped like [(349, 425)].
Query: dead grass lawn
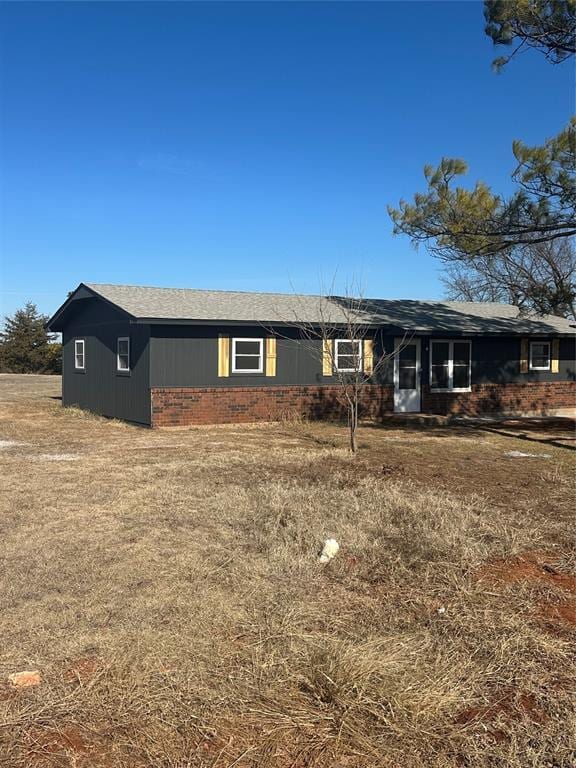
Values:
[(166, 585)]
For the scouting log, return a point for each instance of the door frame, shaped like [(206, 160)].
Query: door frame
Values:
[(401, 342)]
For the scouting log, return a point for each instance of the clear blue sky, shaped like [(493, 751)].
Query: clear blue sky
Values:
[(245, 145)]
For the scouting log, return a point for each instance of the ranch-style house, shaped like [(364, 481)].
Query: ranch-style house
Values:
[(176, 357)]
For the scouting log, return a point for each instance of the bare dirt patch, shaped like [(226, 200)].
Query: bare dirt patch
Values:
[(82, 670), (543, 569), (48, 742), (564, 612), (496, 720), (509, 704), (65, 746), (531, 566)]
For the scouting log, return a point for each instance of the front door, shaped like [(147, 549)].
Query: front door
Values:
[(406, 376)]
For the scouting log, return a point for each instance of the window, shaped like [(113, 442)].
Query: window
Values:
[(79, 354), (348, 355), (123, 354), (461, 359), (539, 355), (247, 355), (407, 366), (450, 365)]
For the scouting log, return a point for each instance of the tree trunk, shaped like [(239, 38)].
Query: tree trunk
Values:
[(353, 423)]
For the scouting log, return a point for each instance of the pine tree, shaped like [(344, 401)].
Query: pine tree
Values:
[(484, 239), (548, 26), (26, 346)]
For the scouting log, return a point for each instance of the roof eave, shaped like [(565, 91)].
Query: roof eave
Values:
[(393, 327)]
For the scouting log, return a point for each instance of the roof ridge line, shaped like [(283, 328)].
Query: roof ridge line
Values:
[(205, 290), (305, 295)]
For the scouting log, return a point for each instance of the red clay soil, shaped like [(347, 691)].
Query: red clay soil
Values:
[(82, 670), (68, 745), (564, 613), (538, 567), (505, 708), (509, 706), (67, 739), (529, 566)]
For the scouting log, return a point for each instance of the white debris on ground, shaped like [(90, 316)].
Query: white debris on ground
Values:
[(58, 457), (441, 611), (329, 550), (522, 455), (8, 444)]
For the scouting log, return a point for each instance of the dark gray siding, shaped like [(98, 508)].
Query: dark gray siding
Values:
[(187, 356), (101, 388), (496, 360)]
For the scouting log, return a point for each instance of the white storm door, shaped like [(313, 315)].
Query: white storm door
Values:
[(407, 376)]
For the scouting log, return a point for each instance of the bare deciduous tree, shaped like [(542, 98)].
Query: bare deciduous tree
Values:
[(345, 338), (540, 277)]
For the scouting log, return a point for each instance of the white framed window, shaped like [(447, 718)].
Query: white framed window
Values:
[(451, 365), (247, 355), (79, 354), (539, 355), (348, 355), (123, 354)]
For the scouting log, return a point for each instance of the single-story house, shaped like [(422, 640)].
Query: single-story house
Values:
[(172, 357)]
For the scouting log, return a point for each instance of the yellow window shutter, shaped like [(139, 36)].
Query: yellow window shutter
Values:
[(524, 352), (271, 356), (368, 355), (555, 361), (327, 357), (223, 355)]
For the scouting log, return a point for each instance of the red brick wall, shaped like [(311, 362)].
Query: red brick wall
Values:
[(173, 406), (528, 397)]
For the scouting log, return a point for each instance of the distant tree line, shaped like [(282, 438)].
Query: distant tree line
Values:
[(25, 344)]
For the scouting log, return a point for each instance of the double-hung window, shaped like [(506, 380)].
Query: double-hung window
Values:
[(450, 365), (79, 354), (247, 355), (539, 355), (348, 355), (123, 354)]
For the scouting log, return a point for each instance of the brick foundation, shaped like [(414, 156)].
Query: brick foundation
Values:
[(184, 406), (535, 397)]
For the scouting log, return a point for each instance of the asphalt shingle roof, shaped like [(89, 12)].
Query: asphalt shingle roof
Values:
[(184, 304)]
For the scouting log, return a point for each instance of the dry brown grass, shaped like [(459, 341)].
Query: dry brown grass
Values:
[(167, 587)]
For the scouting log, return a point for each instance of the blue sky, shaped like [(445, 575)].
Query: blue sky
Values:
[(249, 146)]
